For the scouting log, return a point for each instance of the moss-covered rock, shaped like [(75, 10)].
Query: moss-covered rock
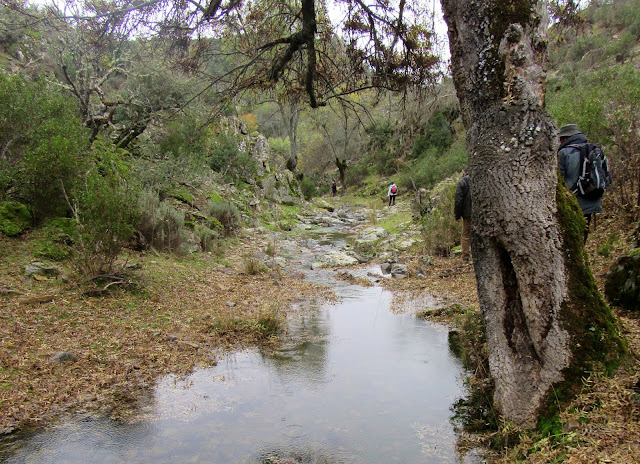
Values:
[(59, 236), (15, 218), (622, 284)]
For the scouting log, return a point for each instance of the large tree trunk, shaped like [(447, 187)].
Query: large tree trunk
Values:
[(519, 245)]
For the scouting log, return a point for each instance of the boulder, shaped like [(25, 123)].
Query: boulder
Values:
[(14, 218), (334, 259), (37, 268), (622, 282), (399, 270), (369, 237), (64, 357)]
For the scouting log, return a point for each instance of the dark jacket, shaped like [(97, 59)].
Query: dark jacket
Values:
[(462, 205), (569, 165)]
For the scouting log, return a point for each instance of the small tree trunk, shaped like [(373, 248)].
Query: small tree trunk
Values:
[(342, 167)]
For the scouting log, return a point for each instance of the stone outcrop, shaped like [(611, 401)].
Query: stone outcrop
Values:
[(622, 284), (273, 183)]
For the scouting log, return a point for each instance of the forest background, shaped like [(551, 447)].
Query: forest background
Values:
[(107, 136), (126, 104)]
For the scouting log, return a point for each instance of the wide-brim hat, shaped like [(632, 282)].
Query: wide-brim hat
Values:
[(568, 130)]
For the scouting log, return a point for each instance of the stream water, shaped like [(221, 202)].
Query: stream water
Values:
[(355, 382)]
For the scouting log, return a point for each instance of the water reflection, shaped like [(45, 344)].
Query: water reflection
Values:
[(355, 382)]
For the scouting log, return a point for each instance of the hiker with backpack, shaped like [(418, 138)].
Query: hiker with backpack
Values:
[(393, 191), (462, 210), (585, 171)]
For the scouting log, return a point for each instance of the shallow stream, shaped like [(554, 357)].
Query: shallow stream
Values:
[(357, 381)]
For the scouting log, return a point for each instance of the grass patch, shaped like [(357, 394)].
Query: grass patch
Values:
[(252, 266), (267, 325), (394, 222), (608, 246)]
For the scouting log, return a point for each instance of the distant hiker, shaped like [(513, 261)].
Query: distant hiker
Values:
[(581, 165), (393, 191), (334, 188), (462, 209)]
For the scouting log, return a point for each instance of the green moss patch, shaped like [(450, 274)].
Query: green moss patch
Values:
[(15, 218), (599, 345)]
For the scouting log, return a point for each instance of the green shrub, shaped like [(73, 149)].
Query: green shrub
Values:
[(439, 133), (420, 146), (226, 214), (440, 230), (207, 239), (50, 168), (357, 173), (431, 168), (224, 149), (8, 172), (44, 145), (242, 167), (183, 137), (14, 218), (308, 187), (60, 234), (606, 248), (162, 225), (104, 206), (380, 147), (279, 149)]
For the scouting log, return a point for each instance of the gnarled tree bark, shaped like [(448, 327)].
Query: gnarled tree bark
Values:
[(526, 287)]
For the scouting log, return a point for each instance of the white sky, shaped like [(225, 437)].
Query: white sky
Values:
[(442, 47)]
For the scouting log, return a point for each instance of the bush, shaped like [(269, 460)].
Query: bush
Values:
[(308, 187), (242, 167), (440, 229), (104, 206), (279, 150), (439, 133), (207, 238), (380, 147), (226, 214), (14, 218), (184, 137), (224, 149), (60, 236), (356, 173), (44, 145), (162, 226), (431, 169), (49, 168)]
